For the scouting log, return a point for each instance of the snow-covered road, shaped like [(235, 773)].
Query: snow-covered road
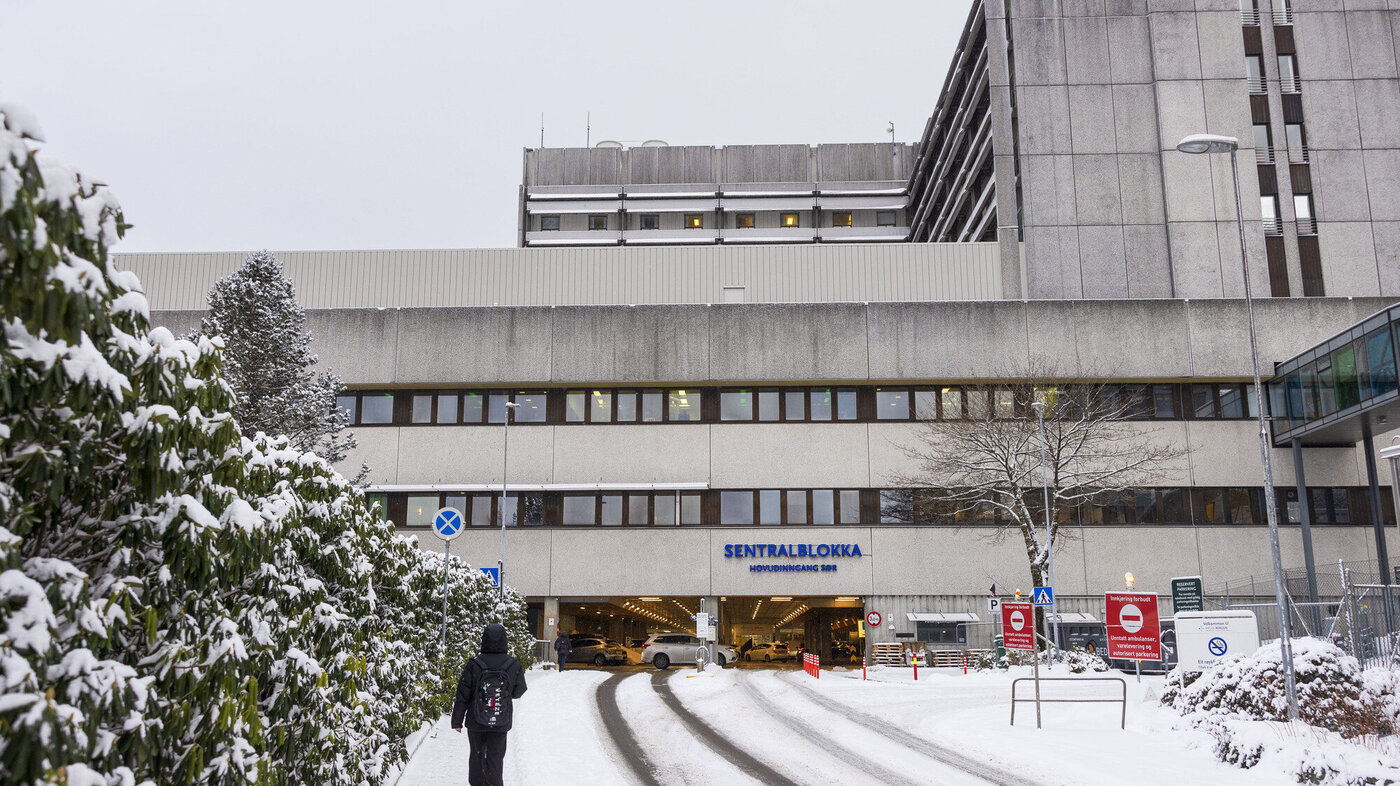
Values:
[(783, 727)]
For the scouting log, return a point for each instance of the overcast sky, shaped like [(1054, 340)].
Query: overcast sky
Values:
[(352, 124)]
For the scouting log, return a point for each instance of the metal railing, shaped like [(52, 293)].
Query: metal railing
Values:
[(1122, 700), (1290, 84), (1298, 155), (1249, 18), (1257, 84), (1282, 16), (1307, 226), (1264, 155), (1273, 226)]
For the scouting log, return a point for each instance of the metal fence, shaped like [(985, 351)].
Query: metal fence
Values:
[(1353, 610)]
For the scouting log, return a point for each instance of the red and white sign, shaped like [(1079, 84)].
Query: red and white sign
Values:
[(873, 619), (1018, 626), (1134, 631)]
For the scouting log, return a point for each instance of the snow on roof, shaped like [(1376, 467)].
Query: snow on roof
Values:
[(942, 616)]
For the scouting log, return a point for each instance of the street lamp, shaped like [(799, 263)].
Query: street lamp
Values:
[(1213, 143), (505, 464), (1039, 407)]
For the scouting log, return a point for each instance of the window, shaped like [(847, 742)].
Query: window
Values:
[(549, 223), (1380, 364), (610, 507), (788, 220), (532, 407), (377, 408), (951, 405), (531, 509), (897, 506), (664, 510), (891, 404), (472, 406), (651, 406), (694, 221), (421, 511), (841, 219), (736, 405), (736, 507), (1268, 211), (638, 509), (850, 507), (597, 222), (649, 221), (349, 404), (823, 506), (1262, 144), (683, 406), (770, 507), (580, 509), (846, 405), (1297, 150), (925, 405), (821, 404), (1288, 73), (627, 406), (422, 409), (600, 407), (481, 513), (1231, 402), (796, 507), (768, 405), (743, 220), (446, 409), (794, 405), (576, 407), (690, 510), (884, 218), (1303, 210), (1005, 404), (1254, 72), (380, 499)]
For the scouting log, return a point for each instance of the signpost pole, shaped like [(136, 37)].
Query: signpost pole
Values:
[(444, 597), (1036, 656), (447, 524)]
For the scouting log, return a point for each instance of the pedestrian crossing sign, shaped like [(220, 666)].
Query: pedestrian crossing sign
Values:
[(1043, 596)]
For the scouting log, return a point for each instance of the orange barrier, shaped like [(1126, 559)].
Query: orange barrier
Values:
[(811, 664)]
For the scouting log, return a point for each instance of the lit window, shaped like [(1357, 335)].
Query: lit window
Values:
[(884, 218), (421, 511), (694, 221), (789, 220), (743, 220), (840, 219), (597, 222), (683, 406), (649, 221), (549, 223)]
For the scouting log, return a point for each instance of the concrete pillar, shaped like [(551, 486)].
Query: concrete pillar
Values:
[(549, 623), (710, 605)]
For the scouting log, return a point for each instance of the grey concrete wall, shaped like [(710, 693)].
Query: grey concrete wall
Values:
[(896, 561)]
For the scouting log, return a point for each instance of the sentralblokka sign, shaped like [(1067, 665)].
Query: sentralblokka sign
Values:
[(800, 551)]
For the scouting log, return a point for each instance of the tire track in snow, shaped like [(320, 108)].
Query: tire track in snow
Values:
[(716, 742), (621, 734), (893, 732), (823, 741)]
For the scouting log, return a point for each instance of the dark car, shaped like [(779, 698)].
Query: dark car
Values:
[(599, 652)]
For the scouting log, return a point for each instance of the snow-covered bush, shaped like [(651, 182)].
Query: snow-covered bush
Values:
[(1332, 690), (1080, 662), (182, 604)]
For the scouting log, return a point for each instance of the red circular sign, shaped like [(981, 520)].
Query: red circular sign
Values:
[(873, 619)]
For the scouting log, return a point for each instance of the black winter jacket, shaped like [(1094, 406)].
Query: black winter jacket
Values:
[(493, 657)]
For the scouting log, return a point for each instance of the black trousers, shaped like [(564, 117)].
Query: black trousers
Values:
[(488, 757)]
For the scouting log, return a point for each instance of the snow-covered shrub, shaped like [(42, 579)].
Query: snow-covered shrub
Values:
[(1304, 754), (181, 604), (1332, 691), (1080, 662)]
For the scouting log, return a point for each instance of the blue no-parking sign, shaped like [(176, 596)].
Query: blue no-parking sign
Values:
[(494, 574), (447, 524)]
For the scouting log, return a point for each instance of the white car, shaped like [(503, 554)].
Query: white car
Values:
[(769, 652), (663, 649)]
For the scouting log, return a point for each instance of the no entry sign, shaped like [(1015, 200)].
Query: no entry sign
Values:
[(1134, 632), (1018, 626)]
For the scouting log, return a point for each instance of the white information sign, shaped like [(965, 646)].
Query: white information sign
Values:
[(1204, 638), (702, 625)]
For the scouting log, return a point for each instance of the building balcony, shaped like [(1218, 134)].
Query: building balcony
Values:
[(1282, 16), (1307, 226), (1256, 85), (861, 234), (670, 237), (586, 238), (1298, 155), (773, 235), (1249, 18), (1273, 226)]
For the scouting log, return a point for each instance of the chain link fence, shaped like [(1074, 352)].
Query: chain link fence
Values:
[(1356, 609)]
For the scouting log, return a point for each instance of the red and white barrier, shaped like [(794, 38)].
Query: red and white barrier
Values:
[(812, 664), (862, 667)]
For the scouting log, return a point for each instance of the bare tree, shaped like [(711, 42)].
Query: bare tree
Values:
[(982, 458)]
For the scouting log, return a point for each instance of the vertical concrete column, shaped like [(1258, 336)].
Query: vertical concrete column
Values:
[(549, 622), (710, 605)]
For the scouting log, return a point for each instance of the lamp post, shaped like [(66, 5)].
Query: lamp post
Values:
[(1212, 143), (505, 464), (1039, 407)]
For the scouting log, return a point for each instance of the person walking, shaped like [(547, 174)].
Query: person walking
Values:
[(562, 645), (489, 684)]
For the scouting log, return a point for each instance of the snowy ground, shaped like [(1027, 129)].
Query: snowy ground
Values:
[(627, 726)]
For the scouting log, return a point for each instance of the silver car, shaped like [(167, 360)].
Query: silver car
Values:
[(663, 649), (599, 652)]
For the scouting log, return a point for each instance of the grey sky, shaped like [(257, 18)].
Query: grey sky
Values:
[(320, 125)]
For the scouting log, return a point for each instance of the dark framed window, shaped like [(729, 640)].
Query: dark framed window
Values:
[(842, 219), (376, 408), (743, 221), (683, 406), (789, 220), (694, 221), (736, 507), (892, 403), (770, 405), (649, 221), (422, 409), (736, 405), (350, 405), (597, 222), (884, 218), (549, 223)]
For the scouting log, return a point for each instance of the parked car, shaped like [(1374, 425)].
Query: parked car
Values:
[(769, 652), (663, 649), (599, 652)]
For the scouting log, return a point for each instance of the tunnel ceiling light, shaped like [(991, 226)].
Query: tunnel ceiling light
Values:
[(780, 598)]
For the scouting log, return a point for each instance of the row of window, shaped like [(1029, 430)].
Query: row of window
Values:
[(830, 507), (1201, 401), (1350, 374), (599, 221)]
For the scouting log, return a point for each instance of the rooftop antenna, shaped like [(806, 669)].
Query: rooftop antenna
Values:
[(588, 129), (893, 147), (542, 129)]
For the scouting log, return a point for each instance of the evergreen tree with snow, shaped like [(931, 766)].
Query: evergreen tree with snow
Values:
[(268, 360), (181, 604)]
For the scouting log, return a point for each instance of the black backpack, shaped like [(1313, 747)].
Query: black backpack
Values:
[(491, 705)]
